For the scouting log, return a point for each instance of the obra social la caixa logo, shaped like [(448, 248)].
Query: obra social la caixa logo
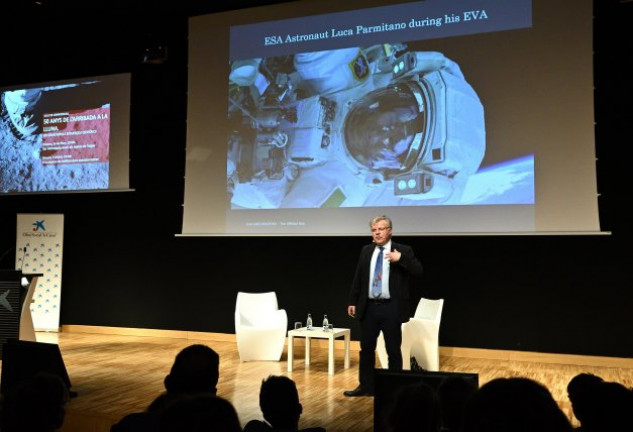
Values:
[(39, 230)]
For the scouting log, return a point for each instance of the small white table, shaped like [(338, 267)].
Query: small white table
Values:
[(319, 333)]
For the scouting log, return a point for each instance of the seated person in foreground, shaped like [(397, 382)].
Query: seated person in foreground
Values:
[(513, 404), (415, 407), (453, 392), (37, 404), (279, 402), (584, 396), (196, 370), (202, 412)]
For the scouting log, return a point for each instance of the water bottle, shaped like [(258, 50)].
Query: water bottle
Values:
[(309, 322), (326, 323)]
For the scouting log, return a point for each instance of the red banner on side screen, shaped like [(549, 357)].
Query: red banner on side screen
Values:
[(81, 136)]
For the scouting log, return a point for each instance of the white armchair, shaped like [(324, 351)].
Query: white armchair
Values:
[(420, 337), (260, 326)]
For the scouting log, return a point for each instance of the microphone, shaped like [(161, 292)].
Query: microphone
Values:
[(24, 281), (23, 256)]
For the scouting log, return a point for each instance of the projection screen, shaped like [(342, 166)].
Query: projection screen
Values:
[(451, 117), (65, 136)]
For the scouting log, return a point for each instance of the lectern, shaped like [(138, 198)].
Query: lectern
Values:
[(22, 356), (15, 303)]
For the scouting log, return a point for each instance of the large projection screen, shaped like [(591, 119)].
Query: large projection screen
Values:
[(451, 117), (65, 136)]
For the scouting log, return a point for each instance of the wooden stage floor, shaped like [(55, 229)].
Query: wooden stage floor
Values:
[(115, 375)]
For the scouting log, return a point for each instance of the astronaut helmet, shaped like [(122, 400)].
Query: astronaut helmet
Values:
[(382, 130)]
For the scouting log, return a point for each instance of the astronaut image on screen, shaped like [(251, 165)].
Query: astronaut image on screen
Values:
[(374, 126)]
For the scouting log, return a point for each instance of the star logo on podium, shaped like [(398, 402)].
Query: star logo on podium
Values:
[(4, 302)]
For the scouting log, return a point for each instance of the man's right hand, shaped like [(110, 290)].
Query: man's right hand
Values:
[(351, 311)]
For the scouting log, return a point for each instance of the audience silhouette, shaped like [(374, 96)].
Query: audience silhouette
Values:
[(616, 406), (279, 402), (195, 371), (37, 404), (453, 392), (513, 404), (415, 407), (600, 405), (190, 403), (582, 391), (202, 412)]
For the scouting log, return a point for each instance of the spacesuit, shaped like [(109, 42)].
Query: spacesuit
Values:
[(355, 127)]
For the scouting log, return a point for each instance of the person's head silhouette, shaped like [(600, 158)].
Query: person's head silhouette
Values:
[(514, 404), (583, 394), (279, 402), (37, 404), (195, 370)]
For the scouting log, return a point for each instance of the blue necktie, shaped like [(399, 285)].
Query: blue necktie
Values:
[(376, 285)]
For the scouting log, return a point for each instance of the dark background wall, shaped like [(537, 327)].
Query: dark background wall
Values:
[(124, 265)]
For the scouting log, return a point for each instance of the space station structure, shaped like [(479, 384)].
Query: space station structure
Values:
[(381, 125)]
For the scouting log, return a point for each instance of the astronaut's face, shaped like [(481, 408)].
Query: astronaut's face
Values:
[(381, 126), (380, 232)]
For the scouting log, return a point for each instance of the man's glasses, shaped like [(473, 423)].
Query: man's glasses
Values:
[(380, 229)]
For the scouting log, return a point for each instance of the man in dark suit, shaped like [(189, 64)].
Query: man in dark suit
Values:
[(379, 297)]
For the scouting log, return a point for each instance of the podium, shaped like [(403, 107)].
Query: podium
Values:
[(22, 356), (15, 303)]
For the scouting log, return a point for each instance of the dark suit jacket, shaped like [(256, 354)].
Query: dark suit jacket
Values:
[(399, 276)]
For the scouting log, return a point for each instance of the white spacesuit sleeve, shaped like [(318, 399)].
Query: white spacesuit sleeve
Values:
[(429, 61)]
